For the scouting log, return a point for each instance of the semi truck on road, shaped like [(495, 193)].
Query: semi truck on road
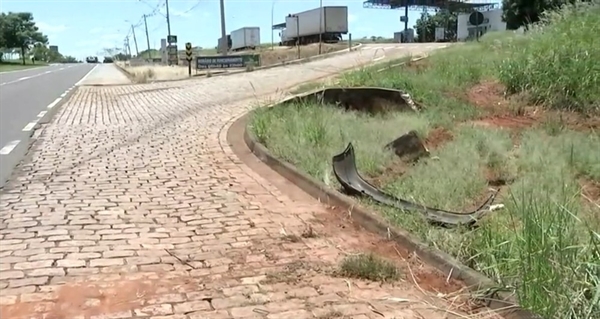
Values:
[(305, 27)]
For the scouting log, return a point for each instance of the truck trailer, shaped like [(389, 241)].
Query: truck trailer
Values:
[(305, 27), (245, 38)]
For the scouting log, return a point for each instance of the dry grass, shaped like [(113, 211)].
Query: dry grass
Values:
[(286, 54), (150, 73)]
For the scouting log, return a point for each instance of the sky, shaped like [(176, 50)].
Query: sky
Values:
[(82, 28)]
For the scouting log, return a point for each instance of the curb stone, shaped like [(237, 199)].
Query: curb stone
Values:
[(503, 303), (226, 73)]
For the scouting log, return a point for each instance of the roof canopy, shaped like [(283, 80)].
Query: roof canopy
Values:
[(452, 5), (279, 26)]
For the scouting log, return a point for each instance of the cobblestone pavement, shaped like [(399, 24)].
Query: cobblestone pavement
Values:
[(132, 205)]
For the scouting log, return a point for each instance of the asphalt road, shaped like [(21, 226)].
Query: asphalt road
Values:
[(23, 95)]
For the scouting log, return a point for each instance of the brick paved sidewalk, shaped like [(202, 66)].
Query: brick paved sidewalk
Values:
[(131, 205)]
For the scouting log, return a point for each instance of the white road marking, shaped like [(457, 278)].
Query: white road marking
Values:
[(30, 126), (53, 104), (9, 147), (28, 77), (42, 113), (15, 71), (85, 76)]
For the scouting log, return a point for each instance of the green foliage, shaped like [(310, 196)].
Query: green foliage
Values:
[(559, 66), (426, 25), (18, 30), (519, 13)]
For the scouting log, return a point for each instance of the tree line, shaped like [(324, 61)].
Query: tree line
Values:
[(19, 32)]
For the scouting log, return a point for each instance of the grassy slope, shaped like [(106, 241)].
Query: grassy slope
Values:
[(544, 242), (6, 66)]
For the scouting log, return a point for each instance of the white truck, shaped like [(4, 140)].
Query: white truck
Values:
[(245, 38), (305, 27)]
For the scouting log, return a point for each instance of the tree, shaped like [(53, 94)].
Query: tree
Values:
[(42, 53), (19, 31), (425, 26), (518, 13), (69, 59)]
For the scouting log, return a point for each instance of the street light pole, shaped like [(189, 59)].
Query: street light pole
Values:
[(272, 23), (320, 25), (224, 42), (168, 20)]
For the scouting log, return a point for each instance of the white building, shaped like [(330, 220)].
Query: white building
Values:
[(492, 22)]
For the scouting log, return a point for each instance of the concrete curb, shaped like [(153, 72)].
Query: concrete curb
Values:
[(226, 73), (504, 304), (127, 74)]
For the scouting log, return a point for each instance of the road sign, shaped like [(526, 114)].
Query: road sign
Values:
[(227, 62), (173, 58), (188, 56), (476, 18), (188, 51), (172, 38)]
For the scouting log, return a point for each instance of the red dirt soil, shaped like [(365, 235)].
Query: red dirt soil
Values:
[(591, 190), (438, 137), (427, 277), (514, 113)]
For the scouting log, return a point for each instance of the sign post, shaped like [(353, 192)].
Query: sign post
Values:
[(188, 56), (227, 62), (172, 50)]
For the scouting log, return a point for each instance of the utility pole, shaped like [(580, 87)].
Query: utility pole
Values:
[(320, 25), (272, 23), (168, 31), (168, 20), (224, 43), (127, 47), (147, 37), (137, 52)]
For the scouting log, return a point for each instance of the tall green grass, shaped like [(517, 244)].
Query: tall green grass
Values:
[(546, 243), (559, 65)]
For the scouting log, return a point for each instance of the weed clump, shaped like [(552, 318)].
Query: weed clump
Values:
[(369, 267)]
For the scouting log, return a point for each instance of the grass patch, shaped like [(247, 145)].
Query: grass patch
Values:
[(369, 267), (545, 244), (6, 66), (568, 43)]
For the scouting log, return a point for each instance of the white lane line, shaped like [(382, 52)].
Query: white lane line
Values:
[(53, 104), (9, 147), (85, 76), (50, 71), (24, 70), (42, 113), (25, 78), (30, 126)]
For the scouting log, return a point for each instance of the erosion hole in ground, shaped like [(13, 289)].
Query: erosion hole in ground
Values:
[(364, 99)]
